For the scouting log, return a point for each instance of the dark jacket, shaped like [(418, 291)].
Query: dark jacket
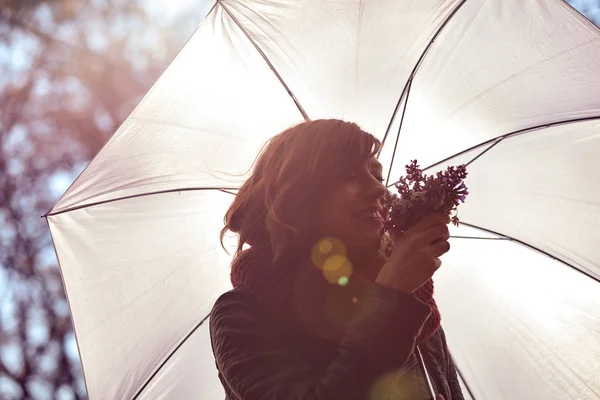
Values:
[(265, 356)]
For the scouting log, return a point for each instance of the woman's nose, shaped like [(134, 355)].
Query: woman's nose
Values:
[(377, 190)]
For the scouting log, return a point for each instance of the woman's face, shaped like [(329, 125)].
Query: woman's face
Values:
[(351, 209)]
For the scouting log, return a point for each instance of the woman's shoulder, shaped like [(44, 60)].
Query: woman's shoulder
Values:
[(243, 308), (437, 346), (234, 311), (238, 316), (237, 299)]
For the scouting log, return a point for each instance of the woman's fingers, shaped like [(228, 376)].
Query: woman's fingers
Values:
[(440, 248), (438, 232), (429, 221)]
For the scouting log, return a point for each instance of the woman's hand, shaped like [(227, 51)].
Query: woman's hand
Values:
[(415, 256)]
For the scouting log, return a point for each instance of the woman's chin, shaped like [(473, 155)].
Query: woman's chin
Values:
[(367, 241)]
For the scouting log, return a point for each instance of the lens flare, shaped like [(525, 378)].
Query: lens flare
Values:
[(326, 248), (343, 281), (397, 384), (333, 263), (337, 269)]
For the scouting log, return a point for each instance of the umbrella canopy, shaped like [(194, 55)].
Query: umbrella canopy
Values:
[(510, 87)]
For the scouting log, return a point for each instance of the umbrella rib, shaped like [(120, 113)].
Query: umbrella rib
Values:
[(498, 139), (266, 59), (483, 152), (517, 133), (228, 191), (137, 105), (387, 180), (586, 273), (133, 196), (84, 371), (417, 65), (479, 238), (139, 392), (462, 377)]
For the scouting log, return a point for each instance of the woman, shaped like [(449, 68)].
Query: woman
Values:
[(315, 313)]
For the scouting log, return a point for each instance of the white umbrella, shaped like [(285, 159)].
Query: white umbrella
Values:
[(512, 84)]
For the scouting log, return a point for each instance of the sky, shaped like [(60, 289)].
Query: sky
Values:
[(170, 10), (590, 8)]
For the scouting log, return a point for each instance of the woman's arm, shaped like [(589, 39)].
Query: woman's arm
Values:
[(256, 367)]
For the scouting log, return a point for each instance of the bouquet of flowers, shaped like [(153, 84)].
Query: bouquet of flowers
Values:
[(419, 195)]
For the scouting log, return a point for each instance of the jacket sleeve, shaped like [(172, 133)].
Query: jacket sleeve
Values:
[(452, 375), (255, 366)]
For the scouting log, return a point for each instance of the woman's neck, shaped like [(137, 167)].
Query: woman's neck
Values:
[(366, 262)]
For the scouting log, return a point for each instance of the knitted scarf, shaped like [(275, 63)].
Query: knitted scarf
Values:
[(290, 286)]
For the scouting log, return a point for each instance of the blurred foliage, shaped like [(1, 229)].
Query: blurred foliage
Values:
[(70, 72)]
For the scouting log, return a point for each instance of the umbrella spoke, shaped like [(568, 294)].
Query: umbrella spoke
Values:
[(586, 273), (494, 141), (222, 189), (387, 180), (141, 390), (465, 385), (416, 67), (264, 56), (228, 191), (480, 238)]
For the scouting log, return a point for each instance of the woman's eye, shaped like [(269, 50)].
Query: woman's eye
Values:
[(380, 179)]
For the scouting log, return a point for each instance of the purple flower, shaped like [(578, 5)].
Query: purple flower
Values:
[(420, 194)]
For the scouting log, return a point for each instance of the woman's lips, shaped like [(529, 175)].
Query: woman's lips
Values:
[(376, 221)]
